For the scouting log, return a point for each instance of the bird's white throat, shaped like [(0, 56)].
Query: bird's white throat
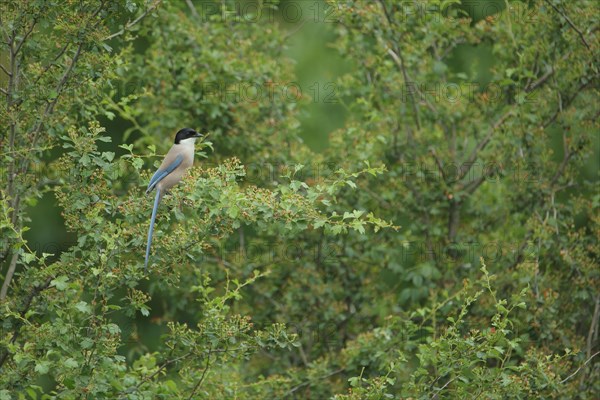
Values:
[(188, 141)]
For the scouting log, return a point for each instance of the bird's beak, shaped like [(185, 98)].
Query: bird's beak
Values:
[(198, 135)]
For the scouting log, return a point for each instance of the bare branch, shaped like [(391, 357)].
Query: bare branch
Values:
[(59, 87), (3, 91), (160, 369), (47, 67), (306, 383), (571, 24), (446, 384), (579, 369), (438, 163), (593, 326), (540, 81), (25, 36), (5, 70), (192, 9), (400, 64), (566, 157), (9, 275), (570, 100), (548, 74), (483, 143), (2, 26), (203, 375), (399, 61), (135, 21), (453, 219), (295, 30), (471, 187), (34, 292)]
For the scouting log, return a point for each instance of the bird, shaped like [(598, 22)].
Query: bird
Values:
[(178, 159)]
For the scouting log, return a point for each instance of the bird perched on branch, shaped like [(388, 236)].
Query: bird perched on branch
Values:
[(179, 158)]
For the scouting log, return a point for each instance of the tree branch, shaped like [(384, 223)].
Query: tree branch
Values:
[(9, 275), (571, 24), (161, 368), (593, 326), (438, 162), (50, 106), (5, 70), (471, 187), (399, 61), (483, 143), (202, 377), (33, 23), (306, 383), (566, 157), (192, 9), (540, 81), (135, 21), (50, 64), (35, 291), (569, 101), (579, 369)]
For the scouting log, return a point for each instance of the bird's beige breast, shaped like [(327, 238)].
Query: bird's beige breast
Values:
[(174, 177)]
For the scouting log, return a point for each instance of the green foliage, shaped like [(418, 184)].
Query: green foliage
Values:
[(443, 245)]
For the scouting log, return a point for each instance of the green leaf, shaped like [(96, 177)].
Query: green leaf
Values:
[(42, 367), (70, 363), (84, 307), (108, 155), (138, 163), (60, 283)]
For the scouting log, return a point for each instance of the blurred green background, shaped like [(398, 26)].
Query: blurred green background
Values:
[(310, 36)]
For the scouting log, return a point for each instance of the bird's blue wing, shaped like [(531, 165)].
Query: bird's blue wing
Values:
[(161, 173)]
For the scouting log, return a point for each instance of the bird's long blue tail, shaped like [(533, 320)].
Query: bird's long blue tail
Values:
[(151, 230)]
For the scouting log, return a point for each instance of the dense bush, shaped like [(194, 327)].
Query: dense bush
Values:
[(444, 244)]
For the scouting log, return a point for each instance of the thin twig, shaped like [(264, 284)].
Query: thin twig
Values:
[(9, 275), (445, 385), (35, 291), (566, 157), (2, 26), (34, 22), (192, 9), (581, 366), (471, 187), (161, 368), (50, 64), (202, 377), (438, 163), (300, 386), (568, 102), (483, 143), (50, 106), (5, 70), (571, 24), (294, 31), (593, 326), (135, 21), (540, 81), (548, 74), (399, 61)]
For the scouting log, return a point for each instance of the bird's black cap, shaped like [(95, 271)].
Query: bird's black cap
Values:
[(186, 133)]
